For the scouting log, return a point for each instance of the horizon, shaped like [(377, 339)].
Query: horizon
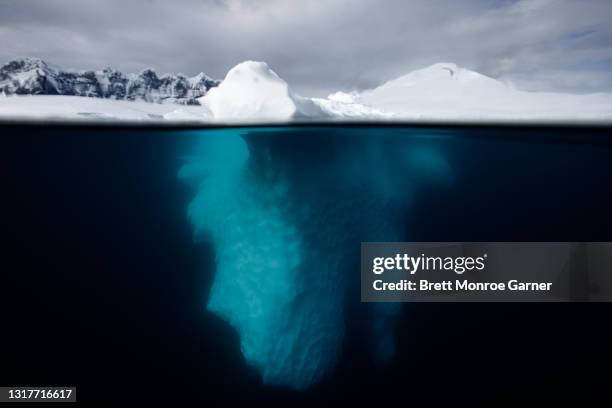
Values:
[(161, 74)]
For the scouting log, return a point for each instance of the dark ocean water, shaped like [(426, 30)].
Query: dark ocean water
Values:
[(104, 287)]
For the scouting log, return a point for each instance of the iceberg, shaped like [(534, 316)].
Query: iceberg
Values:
[(286, 214), (252, 92)]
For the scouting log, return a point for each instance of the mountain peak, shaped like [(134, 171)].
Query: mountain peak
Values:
[(449, 67), (33, 76), (24, 65), (443, 83), (444, 72)]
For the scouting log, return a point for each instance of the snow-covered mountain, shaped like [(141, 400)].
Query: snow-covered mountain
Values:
[(253, 92), (33, 76), (447, 91)]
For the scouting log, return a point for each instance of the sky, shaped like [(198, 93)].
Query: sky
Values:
[(323, 46)]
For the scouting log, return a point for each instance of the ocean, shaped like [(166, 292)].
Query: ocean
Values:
[(115, 237)]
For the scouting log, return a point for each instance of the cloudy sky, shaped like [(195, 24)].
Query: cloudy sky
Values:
[(322, 46)]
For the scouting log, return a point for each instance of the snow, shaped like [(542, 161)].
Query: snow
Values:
[(446, 91), (32, 76), (347, 109), (343, 97), (253, 92), (78, 108), (443, 91)]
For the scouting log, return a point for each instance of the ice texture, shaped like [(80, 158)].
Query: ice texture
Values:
[(286, 215), (251, 90)]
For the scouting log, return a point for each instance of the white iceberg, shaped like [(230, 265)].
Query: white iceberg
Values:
[(252, 91)]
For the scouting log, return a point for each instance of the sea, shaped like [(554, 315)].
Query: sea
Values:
[(112, 237)]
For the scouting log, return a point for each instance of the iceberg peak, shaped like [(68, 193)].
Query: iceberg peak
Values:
[(250, 90)]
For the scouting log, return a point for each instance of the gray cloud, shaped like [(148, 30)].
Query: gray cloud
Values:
[(321, 46)]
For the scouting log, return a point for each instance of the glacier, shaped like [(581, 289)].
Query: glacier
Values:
[(286, 211)]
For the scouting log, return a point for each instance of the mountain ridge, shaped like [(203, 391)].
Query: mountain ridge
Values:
[(34, 76)]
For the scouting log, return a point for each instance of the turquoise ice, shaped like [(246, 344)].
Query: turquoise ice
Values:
[(286, 212)]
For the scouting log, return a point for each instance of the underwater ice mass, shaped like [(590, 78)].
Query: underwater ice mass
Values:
[(286, 216)]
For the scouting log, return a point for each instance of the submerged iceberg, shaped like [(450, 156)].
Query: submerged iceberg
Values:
[(286, 214)]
